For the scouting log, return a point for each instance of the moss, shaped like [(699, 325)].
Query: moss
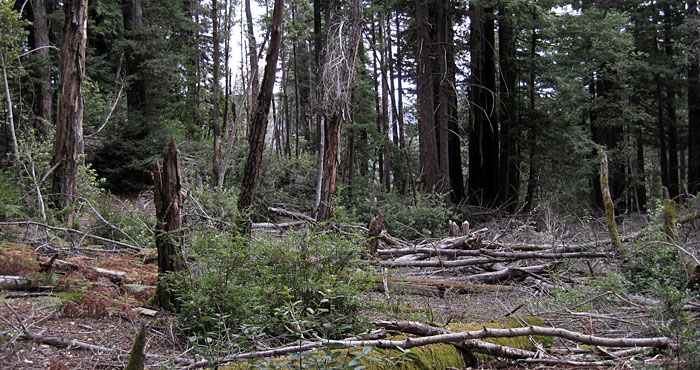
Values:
[(437, 356), (670, 219), (136, 355)]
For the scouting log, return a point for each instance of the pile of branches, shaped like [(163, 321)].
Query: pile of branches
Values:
[(471, 257)]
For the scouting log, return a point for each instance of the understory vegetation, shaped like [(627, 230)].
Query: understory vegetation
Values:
[(318, 281)]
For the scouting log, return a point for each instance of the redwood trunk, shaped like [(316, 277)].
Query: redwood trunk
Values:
[(68, 146), (41, 40), (426, 126)]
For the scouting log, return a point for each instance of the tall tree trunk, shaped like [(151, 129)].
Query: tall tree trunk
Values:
[(385, 101), (40, 31), (533, 176), (256, 137), (509, 174), (168, 198), (426, 107), (450, 140), (133, 64), (252, 56), (215, 121), (660, 124), (693, 111), (68, 145), (483, 138)]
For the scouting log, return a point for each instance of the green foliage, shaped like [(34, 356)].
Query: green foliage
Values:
[(272, 288), (426, 217), (652, 261), (10, 196), (12, 29)]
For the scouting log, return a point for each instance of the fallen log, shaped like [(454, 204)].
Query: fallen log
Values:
[(450, 263), (9, 282), (436, 286), (655, 342), (290, 214), (507, 273), (279, 225), (454, 253)]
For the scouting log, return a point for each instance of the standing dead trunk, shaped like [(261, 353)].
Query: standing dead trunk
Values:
[(168, 197), (68, 146), (258, 128), (608, 203)]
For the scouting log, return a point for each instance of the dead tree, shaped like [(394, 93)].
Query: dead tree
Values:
[(68, 146), (337, 77), (168, 197)]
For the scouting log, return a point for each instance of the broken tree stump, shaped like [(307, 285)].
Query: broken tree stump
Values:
[(168, 197), (373, 234)]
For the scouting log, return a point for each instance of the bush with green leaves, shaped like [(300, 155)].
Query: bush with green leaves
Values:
[(274, 289), (426, 216)]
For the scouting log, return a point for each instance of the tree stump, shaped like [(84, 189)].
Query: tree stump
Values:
[(168, 197), (373, 234)]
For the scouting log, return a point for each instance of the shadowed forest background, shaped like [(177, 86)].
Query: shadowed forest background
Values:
[(214, 131)]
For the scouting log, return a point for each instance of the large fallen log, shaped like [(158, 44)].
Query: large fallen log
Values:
[(9, 282), (436, 287)]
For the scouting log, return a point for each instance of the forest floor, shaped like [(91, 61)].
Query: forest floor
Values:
[(581, 296)]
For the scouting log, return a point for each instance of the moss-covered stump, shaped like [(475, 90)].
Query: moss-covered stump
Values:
[(436, 356)]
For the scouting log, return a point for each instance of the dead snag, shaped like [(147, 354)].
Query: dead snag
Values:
[(168, 197), (373, 234), (670, 219), (608, 202)]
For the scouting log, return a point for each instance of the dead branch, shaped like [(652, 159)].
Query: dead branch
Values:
[(689, 217), (84, 234)]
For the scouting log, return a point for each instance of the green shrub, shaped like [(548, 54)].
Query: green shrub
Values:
[(274, 289), (426, 217)]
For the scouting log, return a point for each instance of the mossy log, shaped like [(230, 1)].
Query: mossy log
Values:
[(688, 217)]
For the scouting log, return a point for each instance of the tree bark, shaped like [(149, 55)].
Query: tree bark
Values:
[(68, 145), (256, 137), (252, 57), (41, 42), (693, 107), (168, 198), (509, 174), (483, 137), (426, 107), (216, 125)]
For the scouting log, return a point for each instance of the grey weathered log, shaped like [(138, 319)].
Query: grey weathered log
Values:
[(454, 253), (9, 282), (291, 214), (73, 231), (507, 273)]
